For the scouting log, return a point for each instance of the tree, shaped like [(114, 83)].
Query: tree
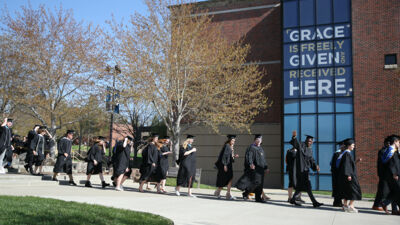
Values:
[(191, 75), (61, 59)]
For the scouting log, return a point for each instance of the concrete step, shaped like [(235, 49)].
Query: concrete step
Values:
[(10, 180)]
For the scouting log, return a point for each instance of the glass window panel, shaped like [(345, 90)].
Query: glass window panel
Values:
[(344, 126), (308, 125), (325, 105), (325, 55), (291, 56), (344, 105), (291, 123), (307, 12), (326, 127), (313, 179), (292, 84), (291, 106), (341, 10), (324, 11), (308, 58), (343, 81), (286, 181), (290, 12), (308, 106), (325, 152), (325, 182)]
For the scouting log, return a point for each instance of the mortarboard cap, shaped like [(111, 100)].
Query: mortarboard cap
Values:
[(154, 135), (166, 137), (70, 132), (257, 136), (129, 138), (231, 136), (9, 120), (348, 142), (308, 136), (190, 136)]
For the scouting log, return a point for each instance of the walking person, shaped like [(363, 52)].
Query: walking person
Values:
[(94, 160), (304, 162), (337, 202), (255, 166), (64, 158), (40, 142), (348, 187), (383, 188), (5, 141), (163, 165), (187, 166), (32, 135), (121, 162), (150, 157), (290, 160), (224, 165)]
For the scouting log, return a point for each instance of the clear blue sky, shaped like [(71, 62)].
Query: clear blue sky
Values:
[(95, 11)]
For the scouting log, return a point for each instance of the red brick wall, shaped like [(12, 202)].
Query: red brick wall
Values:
[(376, 32), (261, 28)]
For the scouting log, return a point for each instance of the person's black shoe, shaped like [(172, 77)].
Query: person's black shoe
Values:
[(27, 168), (245, 197), (261, 201), (71, 182), (54, 179), (104, 184), (294, 202), (87, 184), (114, 184), (337, 204), (317, 204), (301, 201)]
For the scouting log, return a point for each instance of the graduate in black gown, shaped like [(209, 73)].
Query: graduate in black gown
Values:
[(40, 144), (30, 148), (391, 173), (291, 170), (64, 158), (348, 187), (337, 201), (5, 142), (94, 160), (224, 163), (121, 162), (383, 188), (304, 162), (187, 166), (163, 165), (254, 171), (150, 156)]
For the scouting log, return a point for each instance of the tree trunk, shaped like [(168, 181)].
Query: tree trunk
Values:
[(175, 146)]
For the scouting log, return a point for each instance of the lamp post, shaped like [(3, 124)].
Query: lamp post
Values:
[(114, 72)]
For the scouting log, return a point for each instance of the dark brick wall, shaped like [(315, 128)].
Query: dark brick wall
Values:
[(376, 32), (261, 28)]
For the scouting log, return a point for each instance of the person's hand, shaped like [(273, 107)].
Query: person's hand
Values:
[(225, 169), (267, 171), (127, 170), (34, 152), (154, 165), (349, 178), (66, 154), (194, 149), (396, 177), (252, 166), (294, 133), (95, 162), (359, 160), (318, 168), (236, 156), (12, 147)]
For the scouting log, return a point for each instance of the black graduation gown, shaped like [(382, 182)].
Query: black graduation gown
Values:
[(163, 165), (39, 143), (253, 179), (390, 168), (291, 166), (383, 187), (187, 167), (349, 190), (32, 136), (64, 164), (150, 155), (224, 159), (304, 162), (334, 174), (95, 153), (5, 139), (122, 157)]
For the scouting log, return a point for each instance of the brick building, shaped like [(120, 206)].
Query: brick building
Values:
[(333, 65)]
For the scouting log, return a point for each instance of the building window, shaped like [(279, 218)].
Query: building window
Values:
[(391, 61)]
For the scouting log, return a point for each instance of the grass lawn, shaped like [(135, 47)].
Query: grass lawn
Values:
[(34, 210)]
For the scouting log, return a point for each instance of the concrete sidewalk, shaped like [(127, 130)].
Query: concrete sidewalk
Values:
[(206, 209)]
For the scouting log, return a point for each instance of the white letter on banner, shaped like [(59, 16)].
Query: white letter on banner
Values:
[(305, 34), (309, 86), (339, 31), (340, 86), (322, 87), (294, 60), (294, 35), (292, 88), (326, 35)]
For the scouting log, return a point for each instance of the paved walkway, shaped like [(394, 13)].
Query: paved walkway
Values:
[(205, 209)]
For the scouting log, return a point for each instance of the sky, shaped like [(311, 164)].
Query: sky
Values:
[(95, 11)]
